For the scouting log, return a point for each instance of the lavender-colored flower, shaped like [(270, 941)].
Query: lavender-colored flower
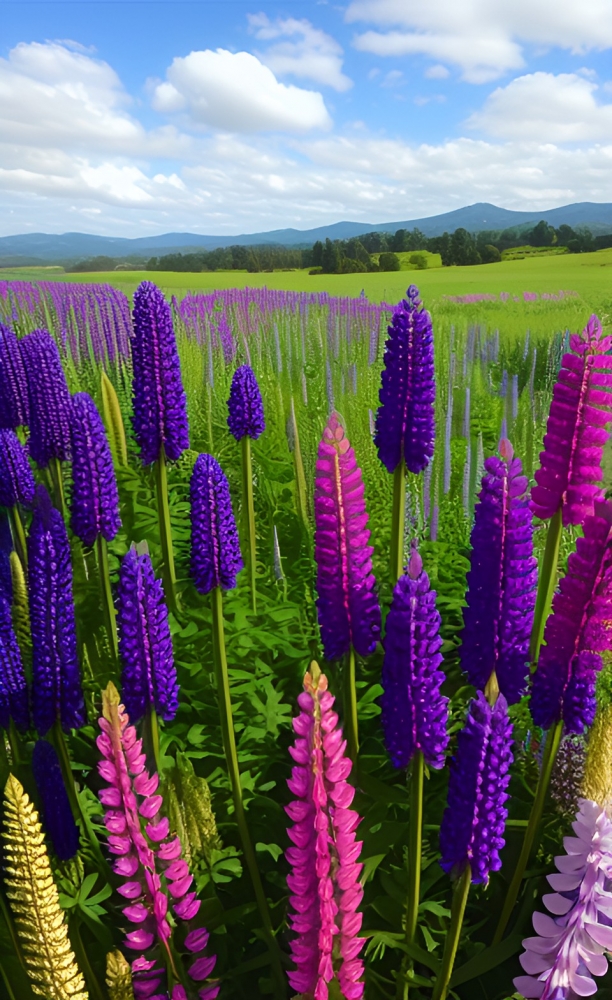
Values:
[(414, 712), (160, 405), (577, 631), (49, 398), (472, 830), (56, 681), (245, 405), (148, 678), (502, 580), (405, 424), (14, 701), (570, 946), (95, 500), (349, 612), (14, 406), (16, 480), (567, 775), (215, 548), (570, 471), (58, 820)]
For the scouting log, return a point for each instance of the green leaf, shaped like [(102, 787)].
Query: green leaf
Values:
[(488, 959)]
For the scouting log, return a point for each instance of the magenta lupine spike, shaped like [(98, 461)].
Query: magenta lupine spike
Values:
[(324, 880), (571, 944), (577, 631), (158, 878), (570, 471), (349, 612)]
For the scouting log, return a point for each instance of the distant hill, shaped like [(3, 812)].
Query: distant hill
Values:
[(48, 248)]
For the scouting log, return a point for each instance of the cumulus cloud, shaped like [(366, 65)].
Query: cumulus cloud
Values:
[(235, 92), (437, 72), (482, 37), (545, 107), (300, 50)]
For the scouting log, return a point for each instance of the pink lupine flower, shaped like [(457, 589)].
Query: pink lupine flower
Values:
[(324, 882)]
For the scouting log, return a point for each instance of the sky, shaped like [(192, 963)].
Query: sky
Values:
[(134, 117)]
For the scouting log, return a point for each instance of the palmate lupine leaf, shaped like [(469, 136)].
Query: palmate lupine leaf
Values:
[(34, 900)]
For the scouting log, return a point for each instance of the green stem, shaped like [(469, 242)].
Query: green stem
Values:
[(151, 736), (547, 580), (301, 491), (8, 918), (550, 754), (108, 604), (80, 953), (398, 518), (460, 897), (351, 722), (249, 516), (7, 984), (415, 833), (15, 743), (19, 537), (165, 529), (231, 756), (55, 467)]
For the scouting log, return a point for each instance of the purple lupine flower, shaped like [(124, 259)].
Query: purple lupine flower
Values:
[(324, 881), (16, 479), (245, 405), (472, 830), (56, 680), (160, 404), (49, 398), (14, 700), (405, 424), (577, 631), (570, 471), (502, 580), (14, 406), (148, 678), (570, 946), (58, 820), (158, 878), (349, 612), (414, 712), (215, 547), (95, 499)]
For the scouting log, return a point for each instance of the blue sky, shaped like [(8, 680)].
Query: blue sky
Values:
[(228, 116)]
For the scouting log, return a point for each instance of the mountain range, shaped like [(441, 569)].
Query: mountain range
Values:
[(46, 248)]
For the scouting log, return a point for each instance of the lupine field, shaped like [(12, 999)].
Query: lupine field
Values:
[(305, 619)]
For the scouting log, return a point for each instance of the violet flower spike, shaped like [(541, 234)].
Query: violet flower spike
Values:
[(160, 404), (95, 499), (49, 398), (14, 405), (414, 712), (245, 405), (405, 421), (148, 678), (349, 612), (56, 680), (215, 547), (16, 479), (472, 830), (570, 472), (324, 881), (14, 700), (57, 817), (502, 580)]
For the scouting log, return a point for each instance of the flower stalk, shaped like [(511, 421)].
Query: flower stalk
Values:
[(106, 592), (460, 897), (547, 581), (398, 521), (165, 528), (249, 517)]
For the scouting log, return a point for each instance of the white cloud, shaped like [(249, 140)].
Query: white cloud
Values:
[(437, 72), (235, 92), (300, 50), (482, 37), (546, 108)]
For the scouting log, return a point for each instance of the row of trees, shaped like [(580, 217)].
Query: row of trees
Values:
[(234, 258)]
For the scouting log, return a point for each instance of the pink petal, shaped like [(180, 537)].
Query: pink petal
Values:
[(140, 940), (202, 968), (158, 831), (171, 850), (197, 940)]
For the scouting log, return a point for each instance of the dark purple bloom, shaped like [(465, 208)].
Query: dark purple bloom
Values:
[(14, 703), (405, 421), (16, 478), (577, 631), (160, 404), (349, 612), (215, 548), (49, 398), (245, 405), (149, 674), (472, 830), (502, 580), (58, 820), (14, 408), (95, 500), (56, 680), (414, 712)]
